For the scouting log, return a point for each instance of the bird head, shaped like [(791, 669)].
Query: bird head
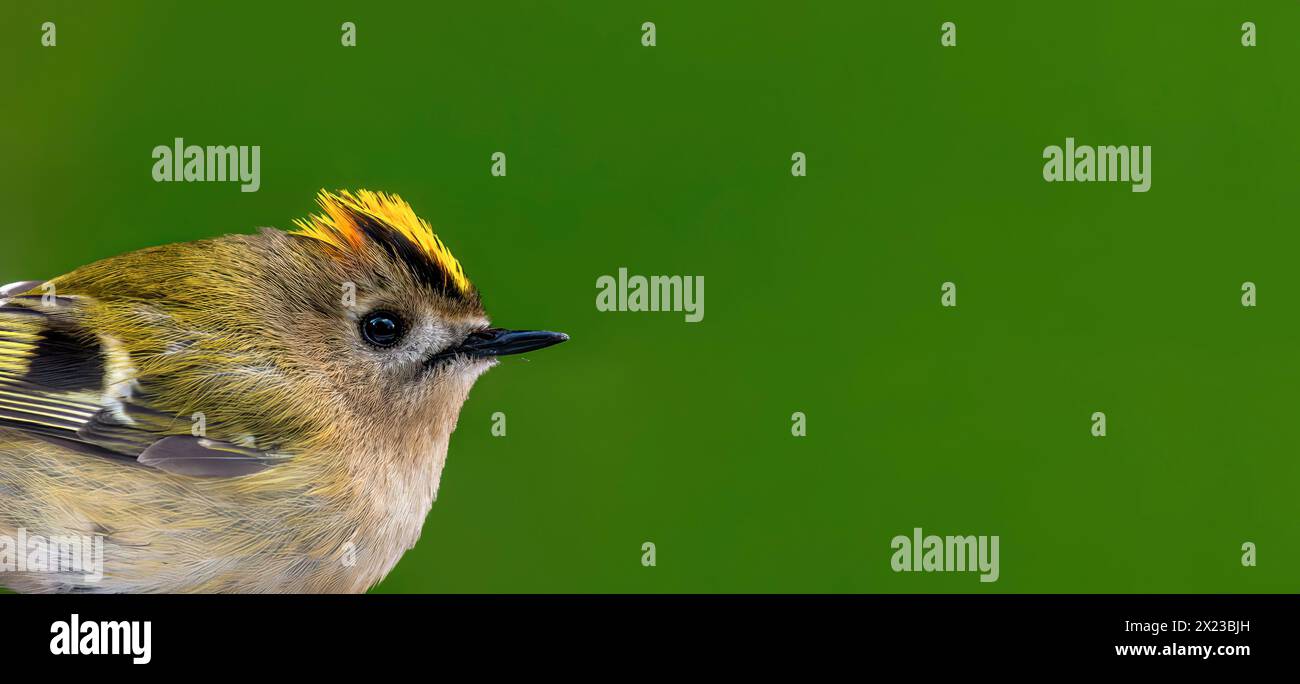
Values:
[(406, 333)]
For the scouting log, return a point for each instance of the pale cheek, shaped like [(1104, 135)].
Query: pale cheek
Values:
[(472, 369), (455, 382)]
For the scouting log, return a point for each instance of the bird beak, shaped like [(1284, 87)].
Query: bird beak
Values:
[(490, 342), (501, 342)]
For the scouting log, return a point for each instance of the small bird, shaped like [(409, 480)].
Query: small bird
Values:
[(249, 413)]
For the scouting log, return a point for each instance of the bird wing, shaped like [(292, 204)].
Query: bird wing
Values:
[(62, 384)]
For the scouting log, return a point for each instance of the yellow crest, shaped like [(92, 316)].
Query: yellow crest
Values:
[(351, 221)]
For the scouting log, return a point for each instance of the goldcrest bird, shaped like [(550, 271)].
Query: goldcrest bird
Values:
[(250, 413)]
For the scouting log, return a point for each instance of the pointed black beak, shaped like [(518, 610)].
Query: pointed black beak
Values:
[(500, 342)]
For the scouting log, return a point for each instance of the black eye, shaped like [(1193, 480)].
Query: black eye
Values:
[(381, 328)]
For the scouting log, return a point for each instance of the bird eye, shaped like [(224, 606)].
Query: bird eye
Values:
[(381, 328)]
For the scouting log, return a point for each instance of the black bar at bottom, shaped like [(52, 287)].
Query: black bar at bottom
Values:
[(769, 632)]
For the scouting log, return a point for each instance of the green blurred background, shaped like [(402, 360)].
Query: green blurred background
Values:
[(822, 293)]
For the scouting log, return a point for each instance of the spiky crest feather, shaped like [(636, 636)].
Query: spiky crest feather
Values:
[(347, 215)]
